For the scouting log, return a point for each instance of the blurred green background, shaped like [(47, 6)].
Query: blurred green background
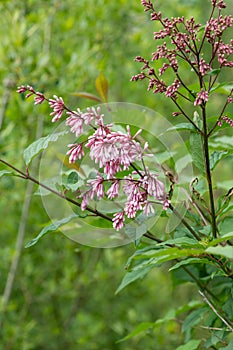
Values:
[(62, 296)]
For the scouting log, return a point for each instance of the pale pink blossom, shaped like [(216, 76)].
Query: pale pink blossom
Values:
[(58, 106), (113, 191), (118, 220), (111, 168), (75, 152), (166, 204), (204, 67), (202, 97), (148, 208), (170, 92), (75, 123), (132, 206), (85, 201), (154, 187), (39, 98), (111, 150), (97, 187)]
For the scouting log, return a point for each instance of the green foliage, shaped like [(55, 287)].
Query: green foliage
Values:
[(39, 146), (50, 228)]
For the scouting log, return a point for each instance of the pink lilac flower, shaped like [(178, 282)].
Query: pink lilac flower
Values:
[(113, 149), (131, 188), (85, 201), (75, 152), (164, 68), (118, 220), (113, 191), (22, 89), (58, 106), (220, 4), (148, 208), (170, 92), (75, 122), (111, 168), (228, 120), (202, 97), (132, 207), (137, 77), (204, 67), (97, 187), (166, 204), (154, 187), (39, 98)]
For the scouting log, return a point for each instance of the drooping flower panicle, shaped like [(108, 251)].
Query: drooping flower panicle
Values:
[(113, 152)]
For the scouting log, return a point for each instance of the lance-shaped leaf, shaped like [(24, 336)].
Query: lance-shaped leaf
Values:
[(133, 276), (87, 95), (159, 256), (190, 261), (6, 172), (101, 85), (181, 126), (51, 228), (215, 157), (196, 151), (226, 251), (141, 328), (223, 238), (191, 345), (40, 145)]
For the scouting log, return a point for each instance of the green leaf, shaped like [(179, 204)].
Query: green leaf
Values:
[(135, 232), (101, 84), (191, 345), (197, 151), (39, 145), (226, 251), (181, 126), (5, 172), (51, 228), (193, 319), (133, 276), (215, 157), (226, 225), (181, 242), (87, 95), (72, 181), (223, 238), (141, 328), (191, 261), (159, 256), (222, 88), (224, 142), (214, 72)]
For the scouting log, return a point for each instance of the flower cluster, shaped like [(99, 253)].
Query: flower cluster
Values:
[(114, 152), (182, 41)]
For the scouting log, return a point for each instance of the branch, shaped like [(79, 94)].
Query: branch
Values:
[(213, 308)]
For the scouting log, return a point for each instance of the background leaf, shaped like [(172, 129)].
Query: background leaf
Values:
[(215, 157), (50, 228), (190, 345), (39, 145), (87, 95), (141, 328), (197, 151), (133, 276), (101, 84), (226, 251)]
